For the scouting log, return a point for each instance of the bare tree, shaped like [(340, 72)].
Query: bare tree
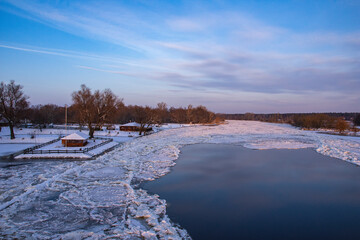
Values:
[(201, 115), (341, 125), (161, 113), (106, 103), (95, 109), (178, 115), (189, 113), (13, 104), (145, 116), (45, 114), (121, 113)]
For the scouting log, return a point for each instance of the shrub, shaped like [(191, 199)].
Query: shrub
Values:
[(341, 125)]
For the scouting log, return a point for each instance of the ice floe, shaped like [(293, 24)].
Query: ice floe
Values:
[(101, 199)]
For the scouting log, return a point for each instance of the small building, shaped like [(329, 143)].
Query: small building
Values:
[(133, 127), (77, 139)]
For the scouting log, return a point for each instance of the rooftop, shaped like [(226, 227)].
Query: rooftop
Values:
[(131, 124), (76, 136)]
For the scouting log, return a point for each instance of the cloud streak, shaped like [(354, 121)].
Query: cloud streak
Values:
[(226, 50)]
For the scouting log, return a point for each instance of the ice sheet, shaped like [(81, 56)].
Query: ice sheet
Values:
[(100, 199)]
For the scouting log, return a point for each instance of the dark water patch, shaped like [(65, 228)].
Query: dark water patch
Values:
[(230, 192)]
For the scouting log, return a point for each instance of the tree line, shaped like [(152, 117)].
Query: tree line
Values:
[(338, 121), (93, 109)]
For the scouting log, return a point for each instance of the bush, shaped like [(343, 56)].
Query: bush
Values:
[(341, 125), (314, 121)]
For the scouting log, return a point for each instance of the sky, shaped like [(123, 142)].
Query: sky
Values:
[(231, 56)]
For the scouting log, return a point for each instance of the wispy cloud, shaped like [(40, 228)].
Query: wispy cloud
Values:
[(206, 51), (100, 59), (40, 51), (104, 70), (63, 53)]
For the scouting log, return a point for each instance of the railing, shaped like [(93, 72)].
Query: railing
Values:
[(30, 149), (108, 140), (54, 151), (33, 150)]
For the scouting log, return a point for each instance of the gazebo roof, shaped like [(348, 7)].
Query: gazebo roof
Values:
[(76, 136), (131, 124)]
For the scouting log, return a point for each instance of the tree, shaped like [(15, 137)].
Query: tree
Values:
[(121, 114), (249, 116), (199, 114), (178, 115), (341, 125), (13, 104), (94, 109), (189, 115), (45, 114), (161, 113), (145, 116), (357, 120)]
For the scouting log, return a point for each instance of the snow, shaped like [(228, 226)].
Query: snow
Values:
[(131, 124), (7, 149), (24, 139), (76, 136), (58, 146), (100, 199), (103, 148), (48, 134)]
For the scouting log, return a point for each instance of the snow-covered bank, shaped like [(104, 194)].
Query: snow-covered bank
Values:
[(98, 199), (80, 155), (27, 136)]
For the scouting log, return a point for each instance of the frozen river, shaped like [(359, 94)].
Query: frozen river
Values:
[(231, 192), (101, 199)]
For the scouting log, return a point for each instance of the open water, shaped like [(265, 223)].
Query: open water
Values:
[(218, 191)]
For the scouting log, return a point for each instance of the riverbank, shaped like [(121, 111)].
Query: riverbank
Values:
[(101, 198)]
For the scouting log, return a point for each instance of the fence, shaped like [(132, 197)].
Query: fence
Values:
[(30, 149), (34, 151), (99, 145)]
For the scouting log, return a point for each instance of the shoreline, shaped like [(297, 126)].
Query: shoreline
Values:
[(116, 173)]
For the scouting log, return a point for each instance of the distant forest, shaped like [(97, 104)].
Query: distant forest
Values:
[(330, 120), (282, 117)]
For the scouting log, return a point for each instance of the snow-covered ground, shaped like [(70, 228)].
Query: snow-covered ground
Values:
[(58, 146), (7, 149), (99, 199), (28, 137), (47, 134)]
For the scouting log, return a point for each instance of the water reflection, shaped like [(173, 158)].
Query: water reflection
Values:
[(230, 192)]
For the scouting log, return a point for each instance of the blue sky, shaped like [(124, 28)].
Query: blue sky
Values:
[(231, 56)]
